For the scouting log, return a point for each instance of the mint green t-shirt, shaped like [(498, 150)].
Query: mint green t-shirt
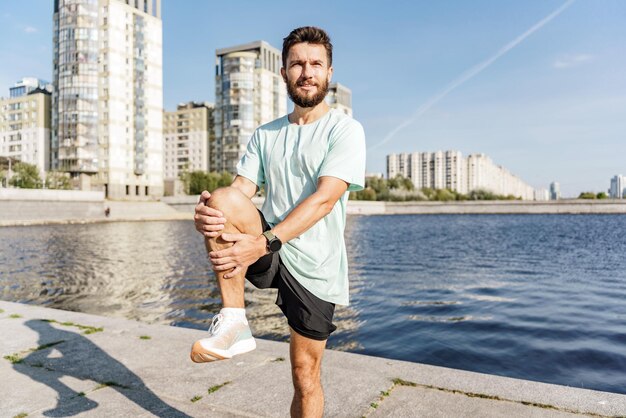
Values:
[(288, 159)]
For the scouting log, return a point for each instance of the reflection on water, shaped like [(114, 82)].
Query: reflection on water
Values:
[(535, 297)]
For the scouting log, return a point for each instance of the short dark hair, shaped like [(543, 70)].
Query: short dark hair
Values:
[(311, 35)]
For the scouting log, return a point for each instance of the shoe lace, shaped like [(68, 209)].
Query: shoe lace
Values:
[(218, 323)]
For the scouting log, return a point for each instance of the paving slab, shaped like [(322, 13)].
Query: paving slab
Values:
[(434, 403), (62, 363)]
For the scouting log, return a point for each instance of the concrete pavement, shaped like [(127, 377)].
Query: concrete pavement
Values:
[(60, 363)]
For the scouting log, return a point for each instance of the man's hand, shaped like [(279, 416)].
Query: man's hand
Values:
[(209, 222), (247, 250)]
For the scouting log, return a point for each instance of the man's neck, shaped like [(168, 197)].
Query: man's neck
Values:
[(305, 115)]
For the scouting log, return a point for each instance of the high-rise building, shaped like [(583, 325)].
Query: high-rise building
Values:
[(542, 195), (435, 170), (25, 124), (340, 97), (450, 170), (618, 187), (107, 110), (188, 133), (249, 92), (28, 84), (555, 191)]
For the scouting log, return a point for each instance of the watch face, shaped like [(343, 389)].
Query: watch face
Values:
[(275, 245)]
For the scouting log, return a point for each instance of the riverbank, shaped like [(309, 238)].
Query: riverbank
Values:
[(43, 207), (60, 363)]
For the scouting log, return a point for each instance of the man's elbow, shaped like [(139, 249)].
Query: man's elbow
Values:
[(326, 204)]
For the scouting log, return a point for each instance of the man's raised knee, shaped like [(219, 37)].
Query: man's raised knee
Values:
[(226, 197)]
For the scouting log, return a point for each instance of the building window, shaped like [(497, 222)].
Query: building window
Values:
[(137, 190), (127, 190), (147, 191)]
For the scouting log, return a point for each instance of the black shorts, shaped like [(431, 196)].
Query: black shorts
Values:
[(307, 314)]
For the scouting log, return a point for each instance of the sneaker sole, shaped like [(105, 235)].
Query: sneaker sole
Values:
[(200, 354)]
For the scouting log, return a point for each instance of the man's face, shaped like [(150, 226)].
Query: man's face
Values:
[(307, 74)]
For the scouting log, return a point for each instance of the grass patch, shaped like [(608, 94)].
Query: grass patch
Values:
[(87, 329), (217, 387), (15, 316), (385, 393), (1, 310), (400, 382), (14, 358), (145, 337), (196, 398), (374, 405), (81, 393), (22, 415), (278, 359)]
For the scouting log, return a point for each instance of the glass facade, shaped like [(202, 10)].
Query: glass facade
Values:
[(75, 96), (248, 93), (139, 95)]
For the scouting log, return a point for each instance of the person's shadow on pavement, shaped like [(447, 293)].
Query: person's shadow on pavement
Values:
[(78, 357)]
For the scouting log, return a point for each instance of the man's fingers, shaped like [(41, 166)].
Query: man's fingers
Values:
[(211, 234), (204, 196), (221, 261), (211, 228), (223, 267), (233, 273), (209, 211), (233, 237)]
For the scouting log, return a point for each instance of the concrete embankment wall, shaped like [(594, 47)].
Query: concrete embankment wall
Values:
[(36, 207), (187, 204), (33, 207), (18, 205), (573, 206)]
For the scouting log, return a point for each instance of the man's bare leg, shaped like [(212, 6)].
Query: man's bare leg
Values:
[(306, 363), (241, 217), (229, 334)]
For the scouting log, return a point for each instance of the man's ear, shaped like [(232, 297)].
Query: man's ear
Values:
[(283, 73), (330, 73)]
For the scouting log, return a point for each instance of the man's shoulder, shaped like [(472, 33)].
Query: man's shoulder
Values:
[(273, 126), (345, 122)]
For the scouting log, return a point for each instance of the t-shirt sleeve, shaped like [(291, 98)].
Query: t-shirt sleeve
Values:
[(346, 156), (251, 164)]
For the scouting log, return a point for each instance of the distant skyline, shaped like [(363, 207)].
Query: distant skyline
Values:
[(550, 108)]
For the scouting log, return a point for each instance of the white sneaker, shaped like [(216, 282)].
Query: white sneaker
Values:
[(230, 335)]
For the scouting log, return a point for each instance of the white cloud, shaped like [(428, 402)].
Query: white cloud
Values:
[(30, 29), (572, 60)]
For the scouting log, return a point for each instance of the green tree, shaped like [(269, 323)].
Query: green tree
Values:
[(196, 182), (366, 194), (57, 180), (25, 176), (407, 184), (481, 194), (443, 195), (602, 195), (225, 179), (587, 195)]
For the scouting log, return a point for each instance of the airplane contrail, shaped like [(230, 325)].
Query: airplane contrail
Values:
[(467, 75)]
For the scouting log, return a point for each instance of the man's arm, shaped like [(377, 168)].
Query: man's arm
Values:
[(312, 209), (300, 219), (209, 222)]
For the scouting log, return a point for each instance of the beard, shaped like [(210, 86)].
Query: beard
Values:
[(303, 100)]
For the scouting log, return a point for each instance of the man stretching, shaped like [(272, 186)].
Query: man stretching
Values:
[(307, 162)]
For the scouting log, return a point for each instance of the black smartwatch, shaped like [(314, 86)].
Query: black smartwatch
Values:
[(274, 243)]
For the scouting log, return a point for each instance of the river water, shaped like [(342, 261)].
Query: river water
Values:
[(539, 297)]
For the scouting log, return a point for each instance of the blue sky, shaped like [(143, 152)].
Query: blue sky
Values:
[(552, 108)]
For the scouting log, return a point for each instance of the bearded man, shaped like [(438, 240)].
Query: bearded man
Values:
[(307, 161)]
